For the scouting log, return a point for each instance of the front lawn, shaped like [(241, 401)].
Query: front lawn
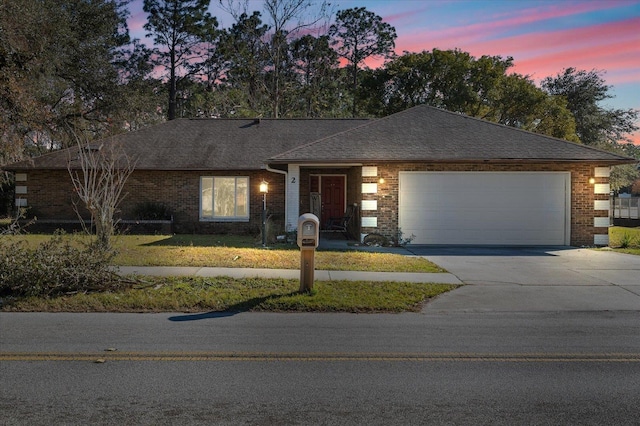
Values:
[(241, 252), (625, 240), (60, 275), (221, 294)]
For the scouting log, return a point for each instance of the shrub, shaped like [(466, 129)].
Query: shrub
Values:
[(152, 211), (54, 267), (628, 241), (376, 240)]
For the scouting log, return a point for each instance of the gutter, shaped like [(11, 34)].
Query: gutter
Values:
[(269, 169)]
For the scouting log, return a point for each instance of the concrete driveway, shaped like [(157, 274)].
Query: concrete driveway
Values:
[(536, 279)]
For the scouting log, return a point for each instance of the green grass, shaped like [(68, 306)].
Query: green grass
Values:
[(221, 294), (241, 252), (625, 240)]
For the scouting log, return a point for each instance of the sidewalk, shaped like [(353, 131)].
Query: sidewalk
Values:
[(320, 275)]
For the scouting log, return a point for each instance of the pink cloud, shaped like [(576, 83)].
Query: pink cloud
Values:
[(612, 47), (400, 19), (552, 11), (458, 36), (609, 57)]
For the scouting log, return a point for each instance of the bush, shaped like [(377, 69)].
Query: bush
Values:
[(54, 267), (376, 240), (152, 211), (628, 241)]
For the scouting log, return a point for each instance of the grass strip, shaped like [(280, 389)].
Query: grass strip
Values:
[(231, 257), (238, 252), (625, 239), (223, 294)]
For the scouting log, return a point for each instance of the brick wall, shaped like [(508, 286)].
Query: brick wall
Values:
[(50, 196), (583, 230)]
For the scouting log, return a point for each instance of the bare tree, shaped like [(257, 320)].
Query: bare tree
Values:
[(285, 20), (288, 18), (98, 174)]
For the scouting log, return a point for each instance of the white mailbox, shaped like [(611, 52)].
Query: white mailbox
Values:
[(308, 231), (308, 239)]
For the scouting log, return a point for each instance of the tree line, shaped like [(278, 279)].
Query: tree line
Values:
[(70, 67)]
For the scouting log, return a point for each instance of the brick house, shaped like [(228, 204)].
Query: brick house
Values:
[(442, 177)]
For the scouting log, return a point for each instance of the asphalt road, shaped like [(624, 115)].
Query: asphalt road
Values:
[(251, 368)]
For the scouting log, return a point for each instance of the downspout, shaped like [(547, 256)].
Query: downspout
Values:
[(286, 199)]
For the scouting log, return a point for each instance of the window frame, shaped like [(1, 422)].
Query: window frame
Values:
[(213, 217)]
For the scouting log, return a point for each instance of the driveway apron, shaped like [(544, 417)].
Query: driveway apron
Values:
[(536, 279)]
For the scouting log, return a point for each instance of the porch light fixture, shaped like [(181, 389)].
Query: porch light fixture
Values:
[(592, 180), (381, 180), (264, 189)]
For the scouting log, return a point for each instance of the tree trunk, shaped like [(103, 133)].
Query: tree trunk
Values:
[(172, 87)]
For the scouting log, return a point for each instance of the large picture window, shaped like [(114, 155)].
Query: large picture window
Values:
[(224, 198)]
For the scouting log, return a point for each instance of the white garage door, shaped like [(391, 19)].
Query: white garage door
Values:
[(485, 208)]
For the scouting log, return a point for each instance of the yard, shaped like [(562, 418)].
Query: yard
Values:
[(238, 252), (625, 240), (192, 294), (223, 294)]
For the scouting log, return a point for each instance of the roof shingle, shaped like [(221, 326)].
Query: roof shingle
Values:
[(418, 134), (424, 133), (208, 144)]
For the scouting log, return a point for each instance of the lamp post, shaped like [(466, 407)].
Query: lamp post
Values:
[(264, 189)]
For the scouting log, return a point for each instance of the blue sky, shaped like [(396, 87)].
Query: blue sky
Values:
[(542, 36)]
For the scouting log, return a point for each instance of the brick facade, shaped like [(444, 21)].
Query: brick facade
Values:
[(582, 194), (50, 195)]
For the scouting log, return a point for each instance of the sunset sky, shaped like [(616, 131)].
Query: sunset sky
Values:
[(543, 36)]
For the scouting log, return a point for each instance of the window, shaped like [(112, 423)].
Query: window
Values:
[(224, 198)]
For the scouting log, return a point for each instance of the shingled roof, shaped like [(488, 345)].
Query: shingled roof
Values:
[(208, 144), (421, 133), (424, 133)]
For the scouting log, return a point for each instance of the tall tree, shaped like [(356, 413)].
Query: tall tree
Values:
[(284, 20), (245, 59), (357, 35), (287, 19), (448, 79), (181, 28), (516, 101), (140, 90), (595, 124), (316, 66), (59, 73), (456, 81)]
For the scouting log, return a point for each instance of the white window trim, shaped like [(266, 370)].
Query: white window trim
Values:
[(225, 218)]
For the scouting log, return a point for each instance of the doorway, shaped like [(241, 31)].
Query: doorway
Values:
[(332, 195)]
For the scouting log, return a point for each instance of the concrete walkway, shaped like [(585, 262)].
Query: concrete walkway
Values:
[(320, 275)]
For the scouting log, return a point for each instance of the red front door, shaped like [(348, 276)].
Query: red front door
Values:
[(332, 195)]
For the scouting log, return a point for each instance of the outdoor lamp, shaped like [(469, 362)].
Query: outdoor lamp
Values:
[(592, 180), (264, 188)]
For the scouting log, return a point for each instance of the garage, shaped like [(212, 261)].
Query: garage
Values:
[(485, 208)]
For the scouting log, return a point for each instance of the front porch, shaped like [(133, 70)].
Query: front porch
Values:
[(333, 195)]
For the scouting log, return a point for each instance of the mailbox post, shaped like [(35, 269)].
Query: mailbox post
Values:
[(308, 238)]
